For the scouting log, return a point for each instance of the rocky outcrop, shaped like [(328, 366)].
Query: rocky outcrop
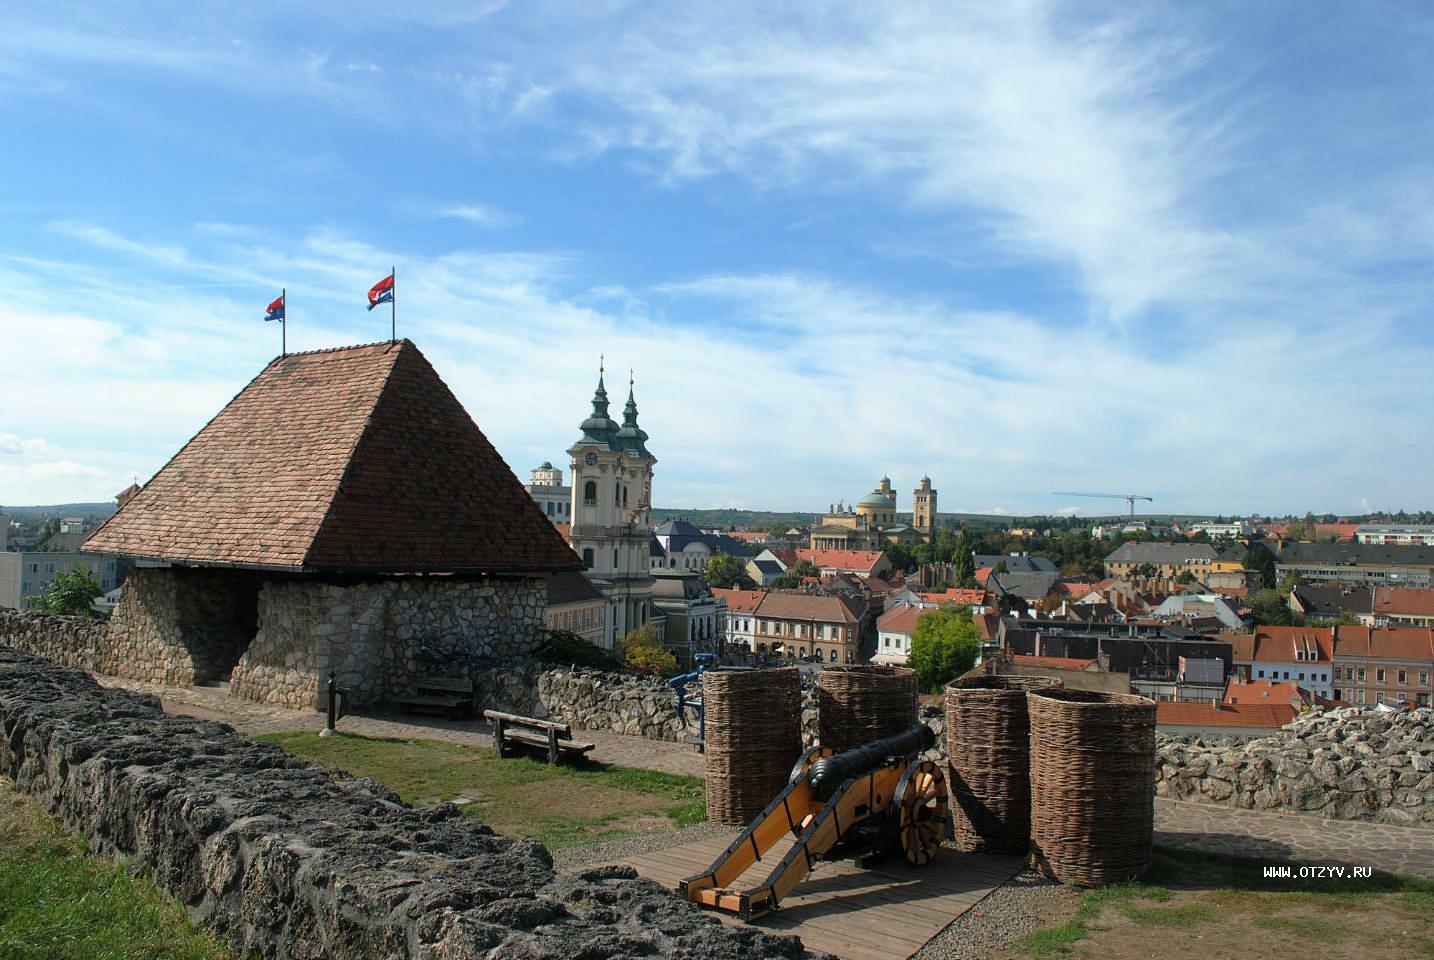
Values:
[(1344, 764), (284, 860)]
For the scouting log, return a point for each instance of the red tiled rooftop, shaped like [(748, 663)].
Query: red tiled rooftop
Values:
[(900, 619), (1385, 643), (740, 601), (1059, 663), (1271, 715), (1262, 691), (857, 560), (1404, 600), (358, 459)]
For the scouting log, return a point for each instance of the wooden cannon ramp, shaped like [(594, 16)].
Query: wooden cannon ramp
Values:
[(885, 913)]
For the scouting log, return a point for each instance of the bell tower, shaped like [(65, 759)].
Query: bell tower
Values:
[(611, 511), (923, 509)]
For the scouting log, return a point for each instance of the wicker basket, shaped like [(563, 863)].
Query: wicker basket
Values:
[(857, 705), (1092, 785), (753, 737), (988, 744)]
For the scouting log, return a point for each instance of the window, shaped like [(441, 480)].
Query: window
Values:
[(590, 493), (1423, 677), (1359, 695), (1379, 675), (614, 559), (1287, 674), (550, 508), (1302, 676), (1403, 677), (834, 656), (1361, 674), (588, 557), (1261, 673)]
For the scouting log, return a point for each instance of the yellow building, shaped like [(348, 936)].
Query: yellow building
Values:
[(872, 520)]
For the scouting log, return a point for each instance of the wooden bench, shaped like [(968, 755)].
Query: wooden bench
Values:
[(556, 738), (446, 695)]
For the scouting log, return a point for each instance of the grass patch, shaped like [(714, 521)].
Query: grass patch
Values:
[(561, 806), (59, 901), (1233, 886), (1304, 928)]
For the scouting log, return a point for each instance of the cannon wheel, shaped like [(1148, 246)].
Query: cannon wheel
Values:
[(919, 811), (809, 758)]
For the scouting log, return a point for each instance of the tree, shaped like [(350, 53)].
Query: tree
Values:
[(944, 645), (1259, 558), (1288, 583), (70, 594), (643, 650), (727, 571), (1185, 577), (900, 556), (796, 572), (963, 568), (1270, 609)]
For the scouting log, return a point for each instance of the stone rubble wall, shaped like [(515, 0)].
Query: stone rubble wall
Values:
[(283, 860), (586, 699), (380, 637), (1345, 764)]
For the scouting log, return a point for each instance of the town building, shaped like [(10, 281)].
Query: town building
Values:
[(1400, 607), (692, 616), (1390, 665), (1389, 534), (858, 563), (805, 626), (872, 520), (1238, 720), (894, 630), (1222, 530), (1164, 560), (740, 611), (1357, 564), (1303, 656), (611, 511), (545, 486), (1188, 607), (766, 568), (576, 606), (1312, 604), (685, 548), (1012, 563), (342, 513), (25, 575)]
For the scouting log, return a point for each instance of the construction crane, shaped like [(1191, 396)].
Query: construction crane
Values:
[(1129, 498)]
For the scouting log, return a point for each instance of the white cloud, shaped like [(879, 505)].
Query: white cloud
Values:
[(480, 214)]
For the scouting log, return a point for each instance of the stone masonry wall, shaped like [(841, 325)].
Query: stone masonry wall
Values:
[(378, 637), (65, 641), (285, 861), (1344, 764)]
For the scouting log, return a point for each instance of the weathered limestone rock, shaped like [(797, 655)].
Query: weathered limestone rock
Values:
[(286, 861), (1344, 764)]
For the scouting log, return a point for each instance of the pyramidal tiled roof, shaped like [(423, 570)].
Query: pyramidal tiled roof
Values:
[(356, 460)]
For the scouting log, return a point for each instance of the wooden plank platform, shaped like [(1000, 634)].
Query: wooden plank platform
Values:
[(886, 913)]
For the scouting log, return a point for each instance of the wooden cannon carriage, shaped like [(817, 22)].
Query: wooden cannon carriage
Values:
[(872, 800)]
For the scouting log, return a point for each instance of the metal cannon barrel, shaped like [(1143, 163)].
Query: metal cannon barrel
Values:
[(828, 773)]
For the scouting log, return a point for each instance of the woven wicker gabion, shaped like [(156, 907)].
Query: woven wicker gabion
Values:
[(988, 744), (1092, 785), (856, 705), (753, 737)]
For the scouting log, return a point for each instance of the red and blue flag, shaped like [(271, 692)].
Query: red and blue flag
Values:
[(276, 310), (381, 292)]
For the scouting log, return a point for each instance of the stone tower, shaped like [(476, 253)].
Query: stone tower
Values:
[(923, 509), (611, 511)]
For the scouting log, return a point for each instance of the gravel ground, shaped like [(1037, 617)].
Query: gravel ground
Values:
[(990, 929), (612, 850)]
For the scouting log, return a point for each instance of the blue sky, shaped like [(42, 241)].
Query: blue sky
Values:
[(1182, 251)]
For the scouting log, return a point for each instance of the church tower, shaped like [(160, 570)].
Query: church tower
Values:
[(611, 511), (923, 509)]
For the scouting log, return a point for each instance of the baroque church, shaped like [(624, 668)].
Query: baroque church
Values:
[(871, 521), (611, 511)]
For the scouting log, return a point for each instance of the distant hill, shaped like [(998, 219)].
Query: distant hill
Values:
[(32, 514)]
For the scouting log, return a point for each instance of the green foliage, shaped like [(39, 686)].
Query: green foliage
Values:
[(727, 572), (643, 651), (58, 900), (70, 594), (1270, 609), (1288, 583), (566, 647), (944, 645), (1185, 577), (1259, 558), (796, 573)]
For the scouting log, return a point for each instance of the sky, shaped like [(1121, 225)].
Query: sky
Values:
[(1177, 250)]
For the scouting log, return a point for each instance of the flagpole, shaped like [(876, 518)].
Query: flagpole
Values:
[(393, 304), (284, 322)]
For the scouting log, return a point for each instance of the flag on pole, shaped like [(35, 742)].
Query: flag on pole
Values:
[(276, 310), (381, 292)]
